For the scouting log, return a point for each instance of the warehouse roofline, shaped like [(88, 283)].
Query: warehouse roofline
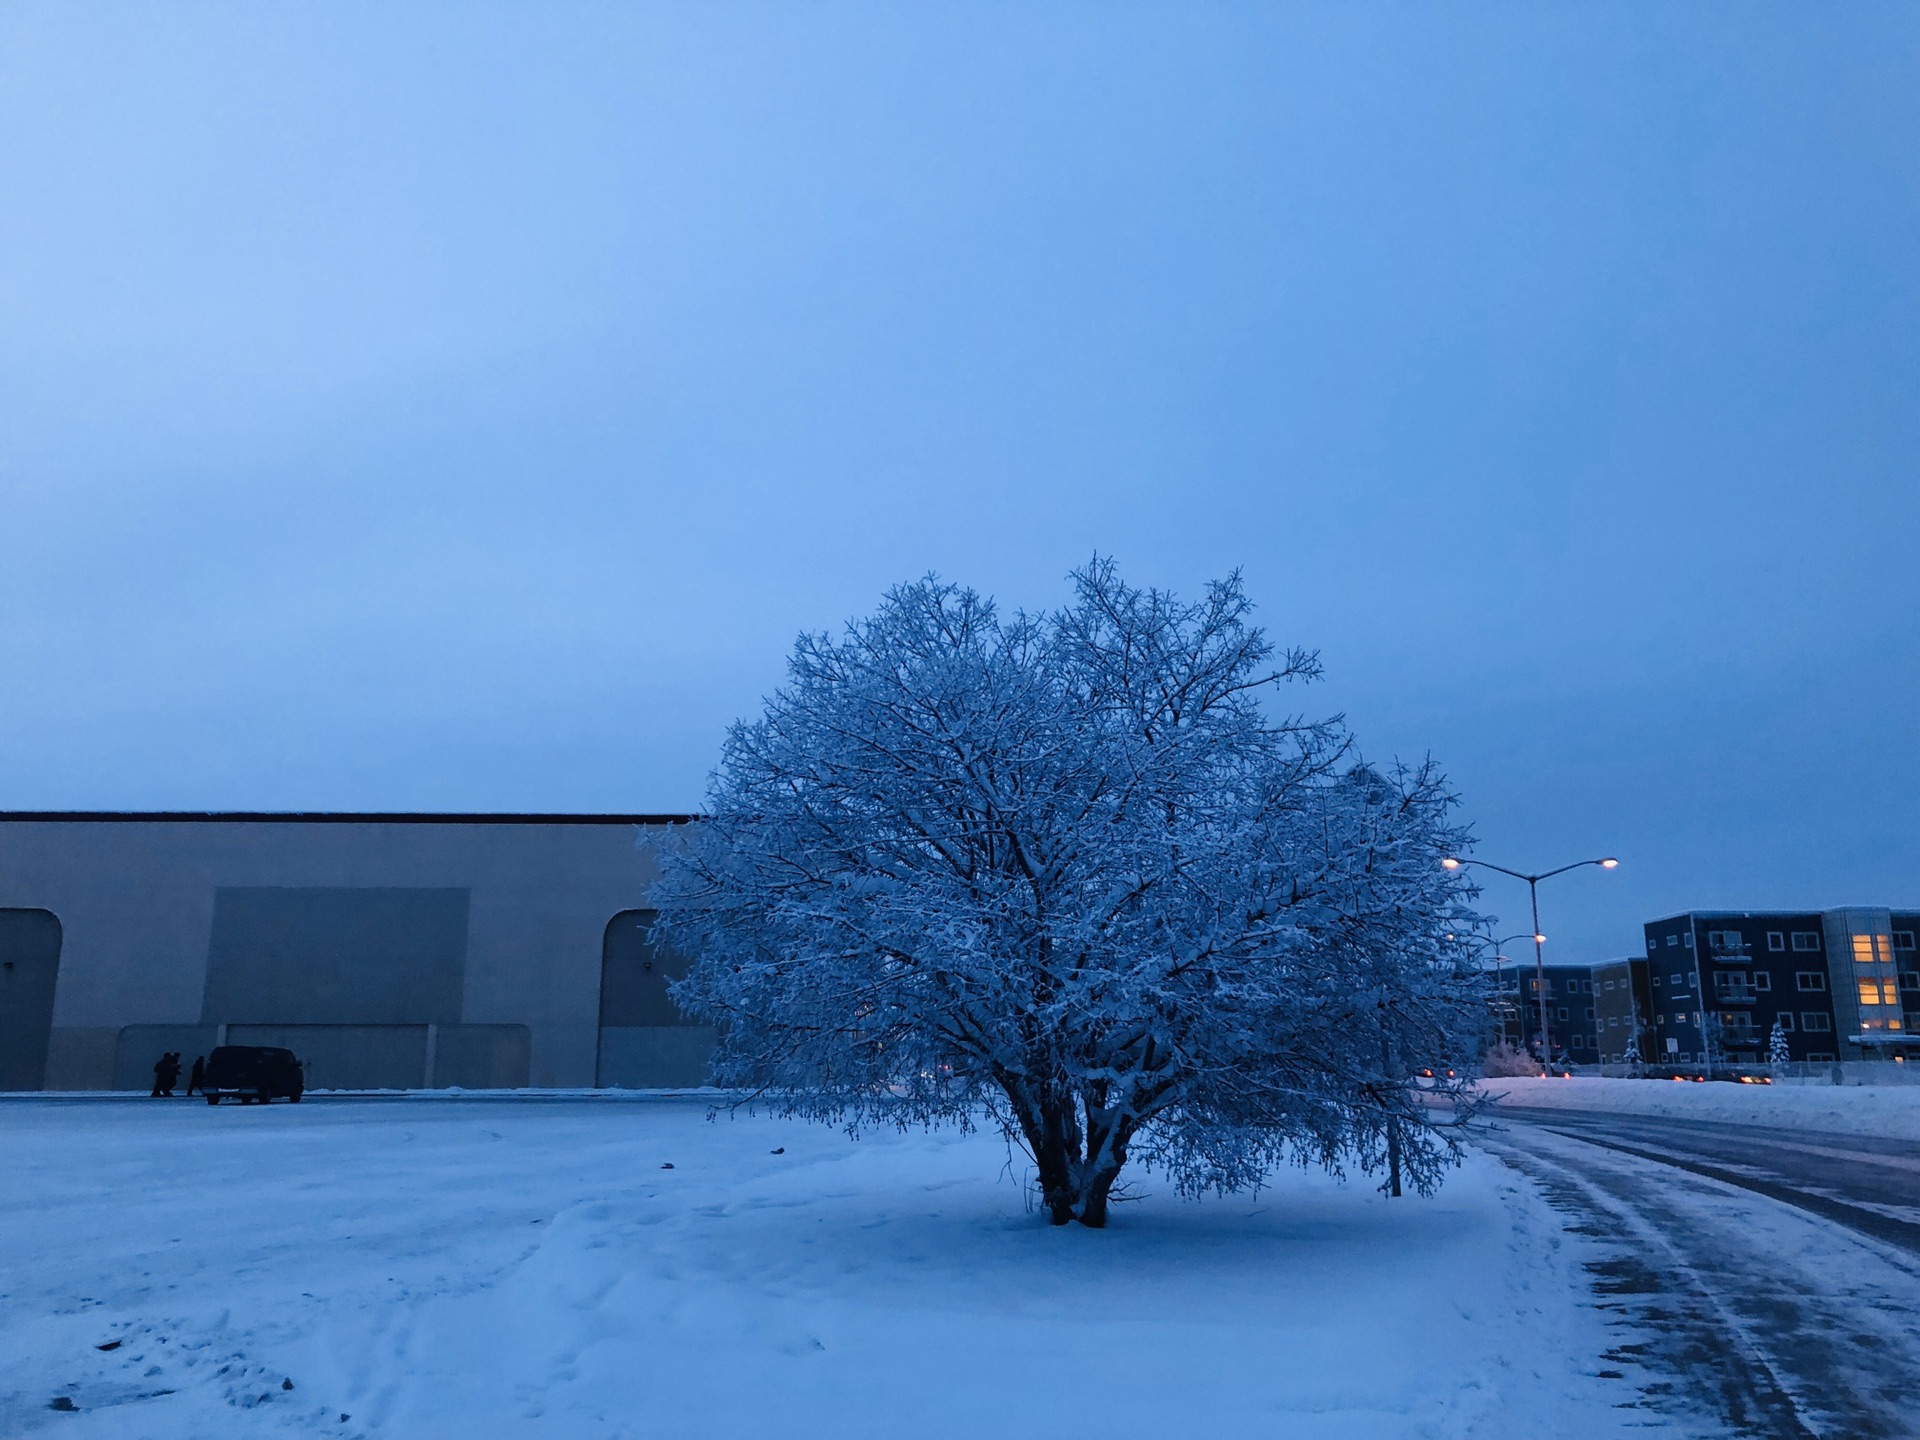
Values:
[(353, 817)]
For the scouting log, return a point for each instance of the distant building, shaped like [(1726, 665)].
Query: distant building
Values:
[(1591, 1009), (386, 951), (1841, 984)]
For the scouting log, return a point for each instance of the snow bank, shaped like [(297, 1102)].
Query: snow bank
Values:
[(442, 1268), (1890, 1111)]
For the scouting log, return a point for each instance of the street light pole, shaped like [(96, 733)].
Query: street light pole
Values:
[(1500, 974), (1500, 981), (1607, 862)]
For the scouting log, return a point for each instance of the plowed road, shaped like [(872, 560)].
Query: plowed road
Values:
[(1765, 1282)]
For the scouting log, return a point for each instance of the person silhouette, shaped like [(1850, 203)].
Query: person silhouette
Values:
[(160, 1080), (169, 1072), (198, 1075)]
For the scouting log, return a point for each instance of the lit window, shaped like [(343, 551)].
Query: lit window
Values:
[(1878, 992)]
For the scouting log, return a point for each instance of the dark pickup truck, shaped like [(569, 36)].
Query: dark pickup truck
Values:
[(253, 1072)]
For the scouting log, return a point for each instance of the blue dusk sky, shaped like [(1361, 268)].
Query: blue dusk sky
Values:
[(462, 407)]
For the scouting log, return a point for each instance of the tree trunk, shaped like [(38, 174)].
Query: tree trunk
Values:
[(1053, 1135), (1093, 1205), (1078, 1167)]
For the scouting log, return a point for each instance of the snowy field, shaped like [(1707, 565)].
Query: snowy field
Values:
[(1892, 1111), (521, 1267)]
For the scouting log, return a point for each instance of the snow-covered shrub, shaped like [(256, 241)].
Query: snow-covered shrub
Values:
[(1504, 1061), (1067, 871)]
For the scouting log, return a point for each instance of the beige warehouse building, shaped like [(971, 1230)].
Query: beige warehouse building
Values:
[(387, 951)]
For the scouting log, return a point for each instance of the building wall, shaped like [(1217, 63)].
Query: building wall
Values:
[(1906, 955), (1743, 971), (1620, 1008), (1571, 1023), (478, 941)]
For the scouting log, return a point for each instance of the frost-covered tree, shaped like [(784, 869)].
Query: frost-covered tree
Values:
[(1778, 1056), (1066, 871), (1631, 1055)]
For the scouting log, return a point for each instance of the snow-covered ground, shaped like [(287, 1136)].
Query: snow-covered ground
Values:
[(1892, 1111), (433, 1267)]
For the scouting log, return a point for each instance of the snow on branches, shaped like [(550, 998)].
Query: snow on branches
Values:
[(1067, 870)]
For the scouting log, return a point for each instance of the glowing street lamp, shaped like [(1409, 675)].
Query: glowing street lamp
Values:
[(1608, 862)]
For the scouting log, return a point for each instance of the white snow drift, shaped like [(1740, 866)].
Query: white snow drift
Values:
[(530, 1268)]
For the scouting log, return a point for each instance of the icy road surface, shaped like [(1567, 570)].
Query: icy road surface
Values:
[(1775, 1269), (524, 1267)]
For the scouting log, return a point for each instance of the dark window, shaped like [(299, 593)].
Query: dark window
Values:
[(1910, 980), (1810, 980), (1687, 939), (1806, 939), (1819, 1057), (1732, 985), (1786, 1019), (1903, 939), (1817, 1021), (1762, 981), (1673, 939), (1563, 1012), (1775, 940)]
